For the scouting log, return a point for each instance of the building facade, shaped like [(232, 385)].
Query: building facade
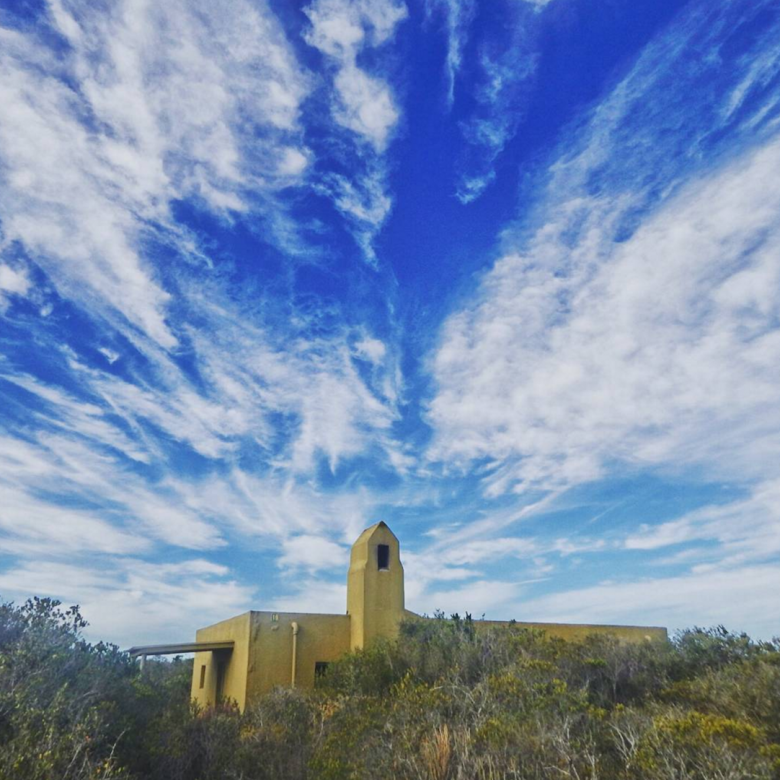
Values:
[(248, 655)]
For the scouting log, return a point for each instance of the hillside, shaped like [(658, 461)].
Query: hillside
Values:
[(448, 700)]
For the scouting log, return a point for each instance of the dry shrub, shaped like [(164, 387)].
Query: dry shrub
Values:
[(437, 752)]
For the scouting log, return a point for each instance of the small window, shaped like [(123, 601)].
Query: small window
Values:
[(320, 669), (202, 675), (383, 556)]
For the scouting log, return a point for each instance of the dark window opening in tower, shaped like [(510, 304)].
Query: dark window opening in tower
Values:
[(383, 556)]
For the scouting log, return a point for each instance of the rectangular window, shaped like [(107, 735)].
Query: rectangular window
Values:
[(383, 556), (320, 668), (202, 675)]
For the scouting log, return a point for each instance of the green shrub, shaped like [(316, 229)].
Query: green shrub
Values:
[(451, 698)]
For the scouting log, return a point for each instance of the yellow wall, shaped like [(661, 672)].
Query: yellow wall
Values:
[(320, 638), (573, 632), (262, 654), (375, 598), (232, 665)]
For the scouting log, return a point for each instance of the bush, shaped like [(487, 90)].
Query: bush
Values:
[(70, 709), (451, 698)]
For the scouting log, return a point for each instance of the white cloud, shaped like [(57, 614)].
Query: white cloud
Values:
[(12, 281), (293, 162), (103, 447), (107, 505), (658, 350), (490, 550), (312, 553), (471, 551), (249, 375), (131, 602), (276, 507), (457, 15), (35, 527), (150, 104), (578, 351), (367, 105), (501, 92), (744, 530), (743, 599), (87, 420), (631, 324), (74, 493), (364, 201), (110, 355), (633, 317), (492, 598), (362, 102), (340, 29), (371, 349), (312, 595)]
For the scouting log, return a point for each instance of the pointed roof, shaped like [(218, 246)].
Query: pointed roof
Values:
[(371, 530)]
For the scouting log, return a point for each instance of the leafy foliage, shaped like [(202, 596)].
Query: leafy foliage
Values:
[(452, 698)]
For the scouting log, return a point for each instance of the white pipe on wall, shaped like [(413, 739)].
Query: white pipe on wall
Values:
[(294, 627)]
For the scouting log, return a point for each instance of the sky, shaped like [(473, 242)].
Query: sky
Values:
[(505, 275)]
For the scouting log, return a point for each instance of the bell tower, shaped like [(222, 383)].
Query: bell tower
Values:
[(375, 586)]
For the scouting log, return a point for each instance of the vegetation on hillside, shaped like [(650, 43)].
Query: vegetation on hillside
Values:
[(450, 700)]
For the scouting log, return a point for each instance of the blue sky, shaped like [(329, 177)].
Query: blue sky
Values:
[(505, 275)]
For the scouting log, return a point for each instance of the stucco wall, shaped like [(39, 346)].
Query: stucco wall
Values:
[(234, 663), (578, 631), (320, 638)]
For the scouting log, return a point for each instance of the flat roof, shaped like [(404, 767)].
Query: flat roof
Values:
[(179, 649)]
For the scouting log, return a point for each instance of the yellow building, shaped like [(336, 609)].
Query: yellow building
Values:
[(250, 654)]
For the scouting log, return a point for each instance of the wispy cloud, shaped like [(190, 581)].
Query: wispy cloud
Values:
[(35, 527), (458, 16), (113, 117), (12, 282), (475, 555), (111, 446), (492, 598), (362, 102), (313, 595), (743, 599), (132, 108), (341, 30), (61, 473), (194, 359), (506, 68), (132, 601), (620, 330), (313, 553), (631, 325), (737, 532), (196, 412)]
